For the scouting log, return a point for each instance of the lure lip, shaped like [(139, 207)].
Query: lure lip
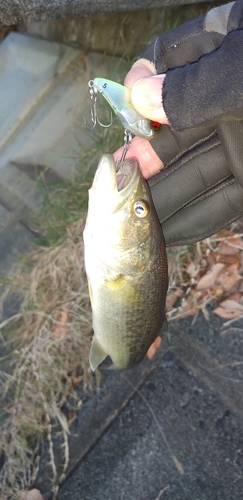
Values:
[(119, 96)]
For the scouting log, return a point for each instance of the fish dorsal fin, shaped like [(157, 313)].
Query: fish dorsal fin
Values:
[(96, 355)]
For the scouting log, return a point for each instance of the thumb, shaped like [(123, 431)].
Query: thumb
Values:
[(146, 97)]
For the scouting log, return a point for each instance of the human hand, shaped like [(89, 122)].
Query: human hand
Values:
[(146, 97), (141, 149), (146, 87), (197, 181), (201, 189)]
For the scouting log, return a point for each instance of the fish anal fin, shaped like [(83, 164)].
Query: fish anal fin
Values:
[(96, 355)]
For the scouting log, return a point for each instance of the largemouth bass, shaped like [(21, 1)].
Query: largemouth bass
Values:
[(126, 265)]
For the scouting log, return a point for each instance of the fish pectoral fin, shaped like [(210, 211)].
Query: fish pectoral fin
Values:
[(125, 291), (96, 355)]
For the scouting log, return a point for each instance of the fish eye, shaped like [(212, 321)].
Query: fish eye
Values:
[(141, 208)]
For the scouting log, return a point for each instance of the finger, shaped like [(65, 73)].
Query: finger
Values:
[(146, 97), (140, 69), (141, 149)]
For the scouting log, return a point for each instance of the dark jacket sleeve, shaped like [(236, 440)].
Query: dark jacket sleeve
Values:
[(200, 190), (204, 68)]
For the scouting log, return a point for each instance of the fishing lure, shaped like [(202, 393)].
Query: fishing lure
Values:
[(119, 98)]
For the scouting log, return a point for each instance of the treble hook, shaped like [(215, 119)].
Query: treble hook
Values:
[(126, 147), (94, 115)]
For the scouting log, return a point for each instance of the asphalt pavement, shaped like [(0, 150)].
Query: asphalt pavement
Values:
[(171, 428), (187, 403)]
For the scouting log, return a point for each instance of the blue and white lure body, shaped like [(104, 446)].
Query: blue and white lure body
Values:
[(119, 98)]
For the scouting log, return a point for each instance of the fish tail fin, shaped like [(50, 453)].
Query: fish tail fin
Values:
[(96, 355)]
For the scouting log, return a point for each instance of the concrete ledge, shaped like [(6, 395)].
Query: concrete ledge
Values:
[(28, 67), (13, 12)]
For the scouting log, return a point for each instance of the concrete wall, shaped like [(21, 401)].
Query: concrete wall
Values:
[(13, 12), (120, 33)]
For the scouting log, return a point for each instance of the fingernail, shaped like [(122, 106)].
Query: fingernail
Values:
[(147, 93)]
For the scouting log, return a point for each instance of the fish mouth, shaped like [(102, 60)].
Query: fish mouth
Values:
[(117, 180), (126, 176)]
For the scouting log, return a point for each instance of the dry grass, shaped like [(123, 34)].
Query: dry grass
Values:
[(51, 338)]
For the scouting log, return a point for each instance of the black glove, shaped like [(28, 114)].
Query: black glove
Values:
[(197, 194), (200, 190)]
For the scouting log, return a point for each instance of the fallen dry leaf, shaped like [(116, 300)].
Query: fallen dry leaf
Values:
[(236, 295), (231, 304), (212, 258), (229, 277), (30, 495), (229, 309), (214, 271), (233, 268), (209, 279), (60, 330), (231, 246), (226, 249), (190, 310), (153, 348), (226, 314), (173, 297), (229, 259)]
